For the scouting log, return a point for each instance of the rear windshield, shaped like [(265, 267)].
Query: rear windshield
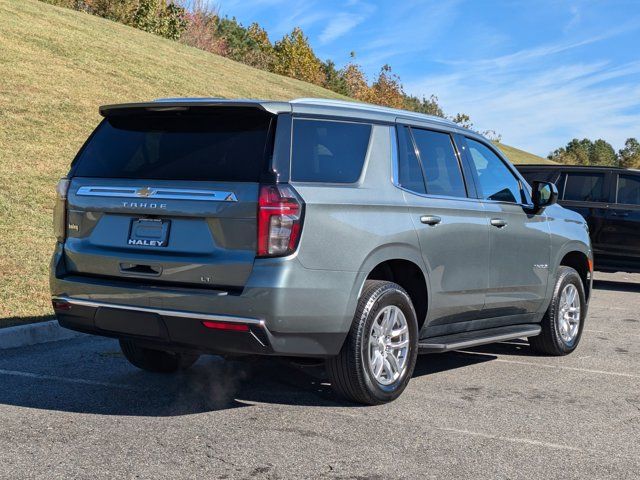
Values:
[(227, 145)]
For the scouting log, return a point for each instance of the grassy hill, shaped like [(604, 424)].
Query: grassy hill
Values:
[(520, 156), (56, 67)]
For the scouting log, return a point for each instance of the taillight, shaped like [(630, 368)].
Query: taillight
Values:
[(60, 210), (279, 220)]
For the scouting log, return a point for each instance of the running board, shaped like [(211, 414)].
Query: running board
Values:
[(458, 341)]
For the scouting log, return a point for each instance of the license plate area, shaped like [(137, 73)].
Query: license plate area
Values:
[(149, 232)]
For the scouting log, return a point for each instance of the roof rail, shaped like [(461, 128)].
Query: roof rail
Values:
[(371, 108)]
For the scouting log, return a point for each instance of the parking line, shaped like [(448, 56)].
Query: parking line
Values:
[(69, 380), (575, 369), (527, 441)]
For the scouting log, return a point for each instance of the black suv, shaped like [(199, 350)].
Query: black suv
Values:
[(609, 199)]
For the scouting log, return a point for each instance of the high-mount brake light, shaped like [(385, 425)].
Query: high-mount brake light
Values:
[(60, 210), (279, 220)]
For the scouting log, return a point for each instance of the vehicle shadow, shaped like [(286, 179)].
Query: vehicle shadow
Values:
[(211, 384), (517, 347), (616, 286)]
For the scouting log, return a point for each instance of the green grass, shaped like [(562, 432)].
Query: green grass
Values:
[(56, 67), (520, 156)]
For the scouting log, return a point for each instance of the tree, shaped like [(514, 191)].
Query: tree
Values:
[(463, 120), (576, 152), (295, 58), (202, 25), (585, 152), (429, 106), (629, 156), (355, 81), (261, 53), (157, 16), (387, 89), (334, 79), (602, 153)]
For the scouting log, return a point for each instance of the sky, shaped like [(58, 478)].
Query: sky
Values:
[(538, 72)]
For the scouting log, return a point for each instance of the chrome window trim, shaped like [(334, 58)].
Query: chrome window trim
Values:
[(160, 311), (160, 193)]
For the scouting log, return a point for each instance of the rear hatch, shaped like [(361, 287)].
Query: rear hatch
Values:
[(170, 196)]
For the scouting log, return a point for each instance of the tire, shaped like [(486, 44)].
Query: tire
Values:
[(351, 371), (151, 360), (553, 339)]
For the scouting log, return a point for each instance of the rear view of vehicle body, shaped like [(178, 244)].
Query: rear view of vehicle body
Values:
[(347, 232), (609, 199)]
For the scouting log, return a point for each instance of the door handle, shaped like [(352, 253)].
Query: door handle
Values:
[(620, 214), (430, 219), (498, 222)]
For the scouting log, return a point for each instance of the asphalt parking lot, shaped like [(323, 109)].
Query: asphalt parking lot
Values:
[(76, 408)]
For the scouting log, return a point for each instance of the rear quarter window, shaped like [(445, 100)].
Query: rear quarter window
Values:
[(328, 151)]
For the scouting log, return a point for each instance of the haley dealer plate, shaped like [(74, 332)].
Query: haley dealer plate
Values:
[(149, 232)]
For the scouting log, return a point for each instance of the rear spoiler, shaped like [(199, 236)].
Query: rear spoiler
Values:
[(184, 104)]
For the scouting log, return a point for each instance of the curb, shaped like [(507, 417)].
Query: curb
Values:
[(34, 333)]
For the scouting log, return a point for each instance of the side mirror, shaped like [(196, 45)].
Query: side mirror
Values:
[(544, 194)]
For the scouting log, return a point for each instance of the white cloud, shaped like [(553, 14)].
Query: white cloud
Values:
[(340, 25), (539, 98)]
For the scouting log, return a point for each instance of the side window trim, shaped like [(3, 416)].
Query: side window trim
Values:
[(402, 135), (417, 154), (467, 170)]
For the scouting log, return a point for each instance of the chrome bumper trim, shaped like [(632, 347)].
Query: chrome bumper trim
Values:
[(161, 311)]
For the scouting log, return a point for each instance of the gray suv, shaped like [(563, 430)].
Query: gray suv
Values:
[(347, 232)]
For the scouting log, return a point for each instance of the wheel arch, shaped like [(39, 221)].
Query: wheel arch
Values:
[(402, 264), (578, 256)]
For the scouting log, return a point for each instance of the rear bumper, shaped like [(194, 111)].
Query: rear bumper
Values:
[(289, 310)]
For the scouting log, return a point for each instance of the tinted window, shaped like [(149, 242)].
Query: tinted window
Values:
[(495, 179), (585, 187), (539, 175), (331, 152), (409, 170), (225, 145), (439, 163), (629, 189)]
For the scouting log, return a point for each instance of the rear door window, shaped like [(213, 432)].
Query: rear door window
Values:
[(227, 145), (328, 151), (585, 187), (439, 161), (628, 190)]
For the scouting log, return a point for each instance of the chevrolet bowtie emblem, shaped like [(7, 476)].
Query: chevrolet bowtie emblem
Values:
[(145, 192)]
